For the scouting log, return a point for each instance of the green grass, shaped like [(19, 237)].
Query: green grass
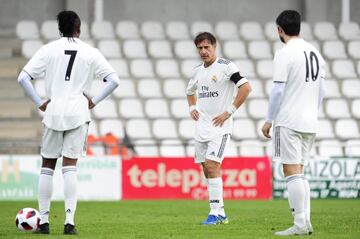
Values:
[(181, 219)]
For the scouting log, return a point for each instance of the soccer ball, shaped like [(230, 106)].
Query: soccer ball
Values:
[(27, 219)]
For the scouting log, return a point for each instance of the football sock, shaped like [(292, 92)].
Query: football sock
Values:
[(215, 189), (296, 197), (307, 199), (70, 193), (45, 193)]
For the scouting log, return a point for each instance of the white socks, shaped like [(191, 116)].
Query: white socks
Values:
[(45, 193), (307, 199), (70, 193), (215, 190), (296, 197)]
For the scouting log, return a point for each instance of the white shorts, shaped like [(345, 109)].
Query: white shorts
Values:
[(212, 150), (292, 147), (69, 143)]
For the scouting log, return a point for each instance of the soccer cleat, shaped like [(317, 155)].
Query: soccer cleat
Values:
[(43, 229), (69, 229), (211, 220), (223, 219), (292, 231), (309, 227)]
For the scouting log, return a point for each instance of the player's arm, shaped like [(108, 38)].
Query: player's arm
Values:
[(24, 80), (111, 83), (243, 91), (192, 99)]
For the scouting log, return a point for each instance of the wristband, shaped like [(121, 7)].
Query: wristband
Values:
[(192, 107), (231, 109)]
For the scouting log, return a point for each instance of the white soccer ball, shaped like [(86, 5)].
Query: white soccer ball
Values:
[(27, 219)]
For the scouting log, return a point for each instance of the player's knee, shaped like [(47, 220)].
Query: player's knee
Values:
[(49, 163), (212, 169)]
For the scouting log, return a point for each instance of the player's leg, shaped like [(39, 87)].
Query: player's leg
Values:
[(288, 150), (74, 147), (50, 151)]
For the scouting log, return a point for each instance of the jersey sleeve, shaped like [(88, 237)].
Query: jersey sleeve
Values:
[(280, 67), (102, 67), (192, 87), (36, 66), (231, 69)]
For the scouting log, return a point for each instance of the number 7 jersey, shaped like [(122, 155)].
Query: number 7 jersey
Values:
[(302, 68), (68, 66)]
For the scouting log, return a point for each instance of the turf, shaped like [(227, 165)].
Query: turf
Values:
[(181, 219)]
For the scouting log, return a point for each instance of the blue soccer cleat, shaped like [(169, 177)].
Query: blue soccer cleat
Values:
[(223, 219), (211, 220)]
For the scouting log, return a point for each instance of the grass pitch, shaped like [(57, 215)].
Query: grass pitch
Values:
[(181, 219)]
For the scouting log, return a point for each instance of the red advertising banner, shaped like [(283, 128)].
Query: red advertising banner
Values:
[(181, 178)]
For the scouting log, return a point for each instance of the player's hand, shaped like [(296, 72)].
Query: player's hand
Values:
[(266, 129), (44, 105), (220, 119), (194, 115), (91, 104)]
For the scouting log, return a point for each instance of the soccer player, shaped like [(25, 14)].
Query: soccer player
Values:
[(212, 107), (69, 66), (298, 89)]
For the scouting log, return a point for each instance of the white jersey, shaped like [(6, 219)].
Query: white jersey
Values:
[(300, 66), (69, 67), (215, 93)]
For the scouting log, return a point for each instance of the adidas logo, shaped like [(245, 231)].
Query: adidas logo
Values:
[(212, 153), (68, 211), (214, 201)]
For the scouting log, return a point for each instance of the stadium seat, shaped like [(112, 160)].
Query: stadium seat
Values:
[(241, 112), (256, 89), (177, 30), (152, 30), (354, 49), (251, 148), (174, 88), (185, 49), (330, 148), (226, 30), (186, 128), (156, 108), (251, 31), (200, 26), (343, 69), (355, 108), (190, 148), (106, 109), (334, 50), (167, 68), (160, 49), (30, 47), (164, 129), (149, 88), (102, 30), (259, 50), (113, 126), (89, 42), (332, 89), (352, 148), (347, 129), (325, 129), (49, 30), (244, 129), (257, 108), (187, 67), (109, 48), (246, 67), (268, 87), (337, 108), (234, 49), (126, 89), (265, 68), (138, 129), (172, 148), (351, 88), (277, 46), (180, 108), (142, 68), (146, 148), (85, 32), (127, 30), (39, 85), (271, 31), (316, 44), (27, 30), (131, 108), (325, 31), (134, 49), (349, 31), (305, 31), (120, 66)]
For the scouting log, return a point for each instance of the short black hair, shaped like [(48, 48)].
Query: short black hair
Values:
[(289, 21), (205, 36), (69, 23)]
